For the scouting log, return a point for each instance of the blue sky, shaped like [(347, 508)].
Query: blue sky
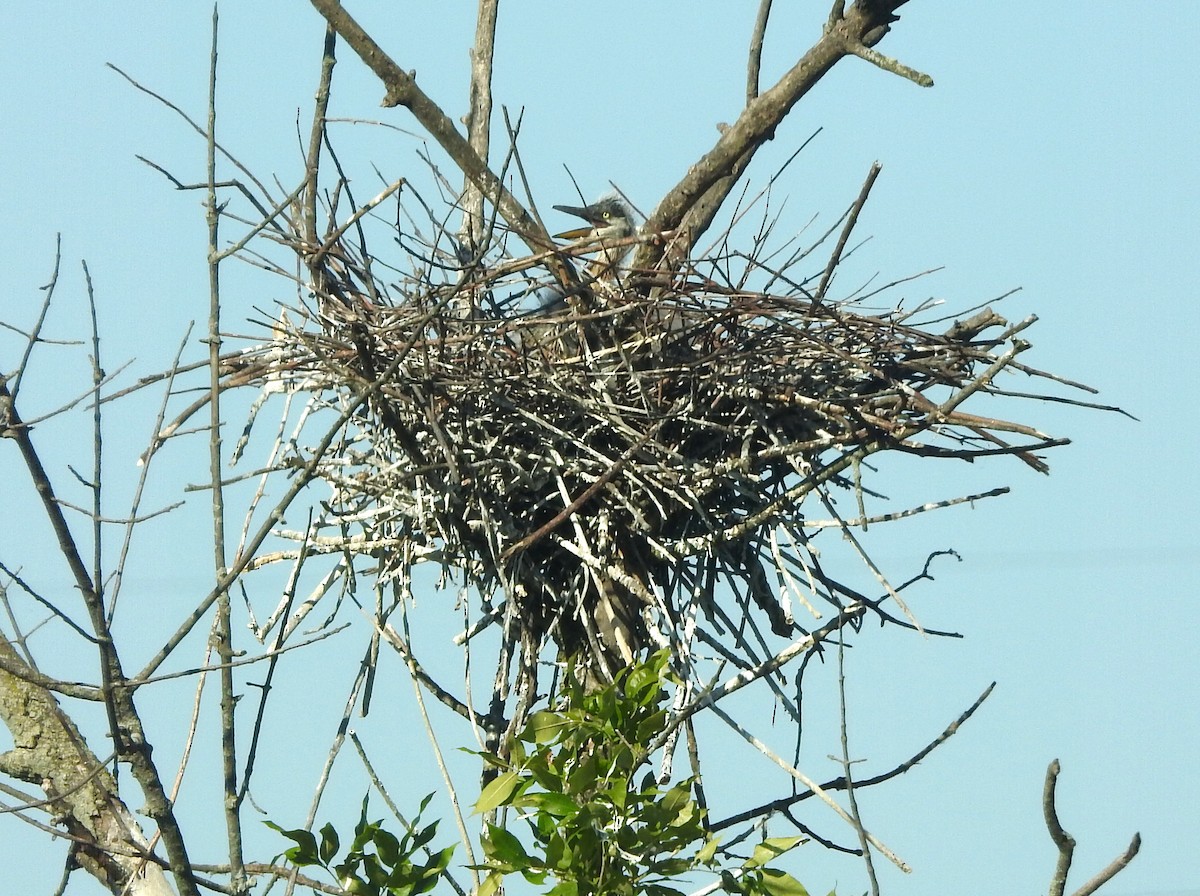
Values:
[(1054, 154)]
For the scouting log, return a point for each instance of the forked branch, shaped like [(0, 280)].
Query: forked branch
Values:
[(1066, 844), (402, 90), (691, 204)]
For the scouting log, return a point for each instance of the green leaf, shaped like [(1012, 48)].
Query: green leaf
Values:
[(671, 867), (706, 853), (374, 870), (504, 847), (536, 877), (364, 833), (677, 797), (490, 884), (425, 835), (780, 883), (329, 843), (439, 861), (401, 879), (388, 847), (769, 849), (583, 778), (499, 792), (545, 727), (557, 805), (660, 890), (305, 851), (359, 887), (641, 682)]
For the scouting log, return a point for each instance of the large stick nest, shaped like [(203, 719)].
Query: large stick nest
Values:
[(605, 466)]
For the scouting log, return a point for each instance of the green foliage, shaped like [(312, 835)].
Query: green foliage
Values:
[(377, 862), (599, 821)]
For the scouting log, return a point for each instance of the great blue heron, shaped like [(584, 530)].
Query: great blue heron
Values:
[(605, 242), (609, 221), (609, 226)]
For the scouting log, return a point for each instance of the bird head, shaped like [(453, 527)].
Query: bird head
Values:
[(609, 218)]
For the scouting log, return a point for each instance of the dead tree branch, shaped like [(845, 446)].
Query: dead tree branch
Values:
[(690, 206), (401, 89), (1066, 844)]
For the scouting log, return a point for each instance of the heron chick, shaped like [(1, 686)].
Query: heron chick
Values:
[(608, 221)]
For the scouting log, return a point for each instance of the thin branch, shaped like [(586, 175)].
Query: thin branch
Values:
[(811, 785), (754, 65), (417, 671), (479, 118), (222, 630), (1113, 867), (13, 381), (312, 162), (1064, 841), (889, 64), (451, 791), (199, 129), (863, 837), (851, 220), (784, 804)]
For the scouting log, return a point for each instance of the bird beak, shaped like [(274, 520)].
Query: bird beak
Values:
[(587, 213)]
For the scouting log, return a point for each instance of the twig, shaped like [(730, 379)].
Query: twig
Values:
[(479, 117), (754, 65), (451, 791), (781, 805), (1110, 871), (1064, 841), (856, 818), (812, 785)]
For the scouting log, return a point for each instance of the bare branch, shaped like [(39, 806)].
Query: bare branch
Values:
[(754, 66), (1113, 867), (782, 805), (864, 842), (851, 220), (1066, 844), (812, 785), (402, 90), (50, 751), (691, 204), (479, 117), (221, 633), (312, 163), (891, 65)]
